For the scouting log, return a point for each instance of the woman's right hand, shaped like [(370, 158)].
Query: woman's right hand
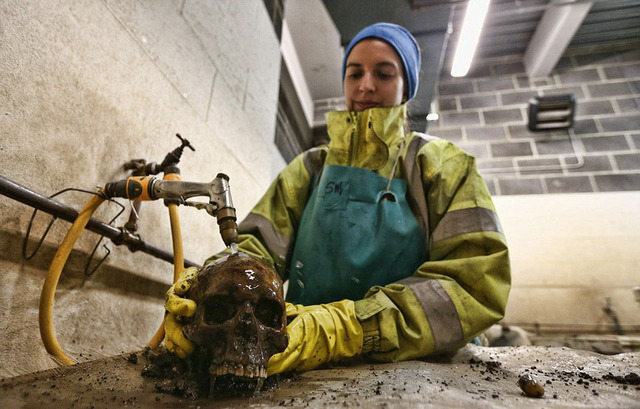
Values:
[(178, 306)]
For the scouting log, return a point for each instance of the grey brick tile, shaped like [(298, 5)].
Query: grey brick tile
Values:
[(485, 133), (501, 150), (460, 118), (568, 184), (520, 186), (501, 116), (593, 163), (519, 131), (628, 105), (613, 89), (478, 101), (522, 131), (494, 165), (580, 76), (539, 166), (478, 151), (620, 123), (553, 147), (453, 135), (495, 84), (628, 161), (455, 88), (584, 126), (620, 182), (576, 91), (523, 81), (589, 108), (605, 143), (521, 97), (447, 104), (509, 68), (479, 71), (622, 71)]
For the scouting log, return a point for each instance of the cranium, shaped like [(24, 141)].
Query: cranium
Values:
[(240, 321)]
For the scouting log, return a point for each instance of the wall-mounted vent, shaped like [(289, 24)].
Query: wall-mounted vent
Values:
[(551, 112)]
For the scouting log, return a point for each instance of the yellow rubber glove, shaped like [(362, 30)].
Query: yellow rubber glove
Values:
[(178, 306), (318, 334)]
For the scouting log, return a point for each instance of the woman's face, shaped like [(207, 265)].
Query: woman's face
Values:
[(374, 76)]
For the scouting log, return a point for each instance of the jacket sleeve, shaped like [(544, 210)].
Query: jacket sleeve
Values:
[(268, 229), (463, 288)]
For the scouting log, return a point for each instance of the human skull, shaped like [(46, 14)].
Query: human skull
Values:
[(240, 321)]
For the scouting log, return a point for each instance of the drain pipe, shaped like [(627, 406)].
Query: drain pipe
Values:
[(119, 236)]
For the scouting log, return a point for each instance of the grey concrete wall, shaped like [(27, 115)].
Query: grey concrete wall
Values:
[(86, 86)]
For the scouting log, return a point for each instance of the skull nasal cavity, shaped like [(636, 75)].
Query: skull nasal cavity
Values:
[(219, 309)]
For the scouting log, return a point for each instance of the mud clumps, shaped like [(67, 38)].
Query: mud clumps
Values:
[(629, 379), (132, 358), (173, 374)]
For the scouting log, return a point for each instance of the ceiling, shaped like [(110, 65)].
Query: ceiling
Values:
[(509, 31)]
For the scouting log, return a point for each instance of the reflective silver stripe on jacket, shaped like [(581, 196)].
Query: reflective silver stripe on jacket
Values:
[(471, 220), (440, 311), (260, 226), (313, 159), (414, 182), (417, 197)]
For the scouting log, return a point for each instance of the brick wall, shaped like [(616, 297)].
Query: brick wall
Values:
[(486, 113)]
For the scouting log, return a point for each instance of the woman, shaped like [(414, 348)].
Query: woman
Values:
[(390, 241)]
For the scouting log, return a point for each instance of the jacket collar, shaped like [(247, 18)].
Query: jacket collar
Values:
[(364, 139)]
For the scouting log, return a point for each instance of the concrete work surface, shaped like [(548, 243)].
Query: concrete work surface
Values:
[(475, 376)]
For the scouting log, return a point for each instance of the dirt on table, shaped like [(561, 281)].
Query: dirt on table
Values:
[(475, 376)]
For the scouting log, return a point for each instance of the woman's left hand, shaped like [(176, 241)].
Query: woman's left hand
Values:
[(318, 334)]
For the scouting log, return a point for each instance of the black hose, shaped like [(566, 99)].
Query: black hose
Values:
[(119, 236)]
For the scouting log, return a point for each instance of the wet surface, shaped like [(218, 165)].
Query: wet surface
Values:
[(474, 377)]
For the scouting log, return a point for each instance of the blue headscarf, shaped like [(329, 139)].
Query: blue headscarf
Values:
[(402, 41)]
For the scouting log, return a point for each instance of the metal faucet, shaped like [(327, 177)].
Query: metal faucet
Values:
[(142, 186), (220, 204)]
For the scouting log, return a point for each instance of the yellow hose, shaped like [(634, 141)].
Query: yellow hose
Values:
[(45, 317), (178, 256)]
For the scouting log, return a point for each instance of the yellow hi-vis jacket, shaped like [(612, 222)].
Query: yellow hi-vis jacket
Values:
[(461, 289)]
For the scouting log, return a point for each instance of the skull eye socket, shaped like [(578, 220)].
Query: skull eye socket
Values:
[(219, 309), (269, 313)]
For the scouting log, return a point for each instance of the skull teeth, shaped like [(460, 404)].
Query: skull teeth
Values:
[(237, 369)]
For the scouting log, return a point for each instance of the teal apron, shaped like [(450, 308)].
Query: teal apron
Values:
[(357, 231)]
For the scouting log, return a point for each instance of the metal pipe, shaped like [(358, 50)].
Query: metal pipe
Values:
[(24, 195)]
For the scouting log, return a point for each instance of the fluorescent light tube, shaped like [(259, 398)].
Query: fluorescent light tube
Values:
[(471, 28)]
